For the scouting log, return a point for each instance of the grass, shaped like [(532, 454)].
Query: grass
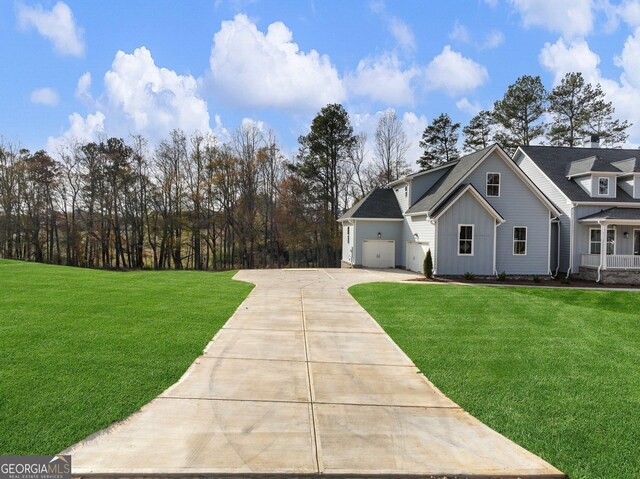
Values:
[(557, 371), (82, 348)]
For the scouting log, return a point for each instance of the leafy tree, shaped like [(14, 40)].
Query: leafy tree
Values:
[(391, 145), (518, 113), (580, 109), (439, 141), (478, 133), (323, 159)]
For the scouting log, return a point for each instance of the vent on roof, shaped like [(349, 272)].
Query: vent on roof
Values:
[(592, 141)]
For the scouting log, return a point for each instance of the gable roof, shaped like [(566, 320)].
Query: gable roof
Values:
[(554, 160), (457, 193), (450, 180), (591, 164), (379, 203)]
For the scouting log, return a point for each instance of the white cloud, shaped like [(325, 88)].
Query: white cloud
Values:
[(472, 108), (402, 33), (57, 25), (561, 58), (494, 39), (624, 92), (80, 129), (45, 96), (255, 69), (629, 11), (460, 33), (383, 79), (454, 74), (570, 18), (140, 97), (83, 87), (491, 3)]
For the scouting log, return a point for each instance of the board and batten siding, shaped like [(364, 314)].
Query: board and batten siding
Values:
[(553, 193), (466, 211), (368, 230), (519, 206)]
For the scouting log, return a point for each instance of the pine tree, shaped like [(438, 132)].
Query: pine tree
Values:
[(518, 113), (568, 106), (600, 121), (478, 133), (439, 141)]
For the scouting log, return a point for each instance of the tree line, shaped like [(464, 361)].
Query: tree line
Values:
[(529, 114), (192, 202)]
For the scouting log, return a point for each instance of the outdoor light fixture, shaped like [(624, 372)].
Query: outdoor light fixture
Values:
[(626, 234), (379, 235), (415, 236)]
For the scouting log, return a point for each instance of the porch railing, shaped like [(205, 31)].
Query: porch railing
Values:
[(614, 261)]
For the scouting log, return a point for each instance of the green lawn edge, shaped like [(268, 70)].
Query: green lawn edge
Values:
[(82, 349), (555, 370)]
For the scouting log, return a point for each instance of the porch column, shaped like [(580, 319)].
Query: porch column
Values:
[(603, 246)]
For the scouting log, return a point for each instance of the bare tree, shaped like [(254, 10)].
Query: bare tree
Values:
[(391, 145)]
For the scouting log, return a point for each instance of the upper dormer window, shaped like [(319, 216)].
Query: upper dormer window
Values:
[(493, 184), (603, 186)]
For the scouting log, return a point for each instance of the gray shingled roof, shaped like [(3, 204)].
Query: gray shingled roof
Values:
[(587, 165), (379, 203), (554, 160), (449, 181), (614, 214)]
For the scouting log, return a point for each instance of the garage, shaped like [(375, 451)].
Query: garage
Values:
[(379, 254), (416, 253)]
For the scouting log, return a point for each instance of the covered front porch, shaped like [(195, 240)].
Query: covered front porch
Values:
[(611, 249)]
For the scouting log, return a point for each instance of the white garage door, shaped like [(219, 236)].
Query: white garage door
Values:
[(416, 253), (379, 254)]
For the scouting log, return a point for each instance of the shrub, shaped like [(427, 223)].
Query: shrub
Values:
[(469, 275), (536, 278), (502, 276), (428, 265)]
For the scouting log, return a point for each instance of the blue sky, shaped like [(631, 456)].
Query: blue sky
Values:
[(79, 69)]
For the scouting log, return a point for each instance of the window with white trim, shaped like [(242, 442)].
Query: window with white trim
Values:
[(595, 241), (603, 186), (348, 234), (493, 184), (465, 240), (519, 240)]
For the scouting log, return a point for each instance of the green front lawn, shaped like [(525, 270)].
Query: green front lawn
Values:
[(557, 371), (82, 348)]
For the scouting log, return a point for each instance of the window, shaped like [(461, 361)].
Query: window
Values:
[(493, 184), (465, 240), (603, 186), (595, 241), (405, 191), (348, 234), (520, 240), (636, 242)]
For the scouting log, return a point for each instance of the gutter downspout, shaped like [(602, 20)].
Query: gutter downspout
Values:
[(435, 246), (549, 248), (495, 234), (571, 240), (559, 242)]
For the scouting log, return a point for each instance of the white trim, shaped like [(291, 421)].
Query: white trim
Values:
[(611, 204), (513, 240), (608, 185), (486, 184), (553, 183), (435, 247), (473, 237), (483, 202), (572, 237), (606, 242)]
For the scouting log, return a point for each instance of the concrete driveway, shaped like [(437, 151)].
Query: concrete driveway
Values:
[(301, 380)]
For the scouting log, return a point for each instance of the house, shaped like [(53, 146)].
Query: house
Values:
[(597, 191), (480, 214)]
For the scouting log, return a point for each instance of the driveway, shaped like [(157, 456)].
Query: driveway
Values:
[(301, 380)]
